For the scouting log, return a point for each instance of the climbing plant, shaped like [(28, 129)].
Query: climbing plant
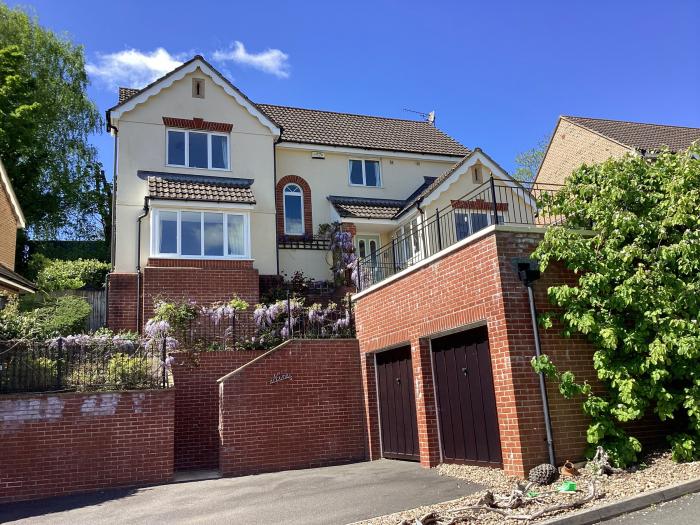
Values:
[(630, 231)]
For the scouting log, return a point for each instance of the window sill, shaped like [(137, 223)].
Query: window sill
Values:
[(199, 257), (181, 166)]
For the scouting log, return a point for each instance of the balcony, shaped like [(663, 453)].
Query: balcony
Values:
[(493, 203)]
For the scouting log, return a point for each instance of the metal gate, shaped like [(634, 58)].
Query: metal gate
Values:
[(466, 399), (397, 404)]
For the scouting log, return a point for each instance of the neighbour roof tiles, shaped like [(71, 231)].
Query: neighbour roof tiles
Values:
[(646, 137), (15, 278), (199, 188)]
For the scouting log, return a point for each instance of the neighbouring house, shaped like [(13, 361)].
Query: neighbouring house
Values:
[(579, 140), (11, 219), (216, 194)]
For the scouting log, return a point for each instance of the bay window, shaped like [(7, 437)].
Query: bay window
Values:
[(200, 234), (197, 149), (364, 173)]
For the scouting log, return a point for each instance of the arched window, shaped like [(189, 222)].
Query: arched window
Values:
[(293, 210)]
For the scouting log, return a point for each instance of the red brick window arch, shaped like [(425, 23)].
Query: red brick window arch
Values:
[(287, 189)]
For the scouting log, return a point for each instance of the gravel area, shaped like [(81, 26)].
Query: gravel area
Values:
[(655, 471)]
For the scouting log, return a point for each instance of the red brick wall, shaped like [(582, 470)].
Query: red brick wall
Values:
[(473, 284), (197, 405), (57, 444), (279, 200), (313, 419), (121, 301)]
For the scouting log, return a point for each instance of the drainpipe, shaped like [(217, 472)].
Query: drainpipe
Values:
[(528, 276), (145, 211), (113, 240), (274, 192)]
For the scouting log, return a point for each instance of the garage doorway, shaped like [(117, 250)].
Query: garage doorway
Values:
[(466, 399), (397, 404)]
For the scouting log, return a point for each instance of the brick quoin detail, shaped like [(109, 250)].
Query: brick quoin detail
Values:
[(311, 419), (279, 200), (197, 405), (473, 284), (198, 124), (59, 444)]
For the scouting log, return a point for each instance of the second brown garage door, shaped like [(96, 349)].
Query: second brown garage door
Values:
[(466, 399)]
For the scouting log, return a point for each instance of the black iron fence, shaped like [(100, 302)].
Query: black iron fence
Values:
[(82, 363), (85, 363), (494, 202)]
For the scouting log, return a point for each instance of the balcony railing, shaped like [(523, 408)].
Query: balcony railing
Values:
[(494, 202)]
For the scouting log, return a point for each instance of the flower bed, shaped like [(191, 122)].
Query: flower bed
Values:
[(656, 471)]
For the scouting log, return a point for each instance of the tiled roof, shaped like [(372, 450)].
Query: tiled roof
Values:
[(365, 208), (126, 93), (646, 137), (361, 131), (199, 188), (15, 278)]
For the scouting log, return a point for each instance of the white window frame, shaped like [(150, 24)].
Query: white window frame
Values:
[(413, 232), (471, 213), (284, 208), (155, 234), (364, 174), (209, 135)]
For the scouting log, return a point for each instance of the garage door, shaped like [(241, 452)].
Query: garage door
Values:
[(397, 404), (466, 399)]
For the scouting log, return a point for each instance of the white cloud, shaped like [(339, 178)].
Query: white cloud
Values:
[(273, 61), (132, 68)]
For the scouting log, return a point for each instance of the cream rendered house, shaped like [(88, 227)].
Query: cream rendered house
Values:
[(216, 195)]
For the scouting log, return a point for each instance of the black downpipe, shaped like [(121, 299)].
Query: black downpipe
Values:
[(145, 211), (528, 276), (113, 237), (274, 192)]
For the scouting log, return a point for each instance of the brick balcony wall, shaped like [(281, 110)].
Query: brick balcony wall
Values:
[(315, 418), (59, 444), (476, 283)]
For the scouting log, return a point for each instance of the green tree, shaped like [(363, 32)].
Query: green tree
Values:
[(528, 162), (46, 119), (637, 298)]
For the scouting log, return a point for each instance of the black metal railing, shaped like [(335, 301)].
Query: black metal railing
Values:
[(494, 202), (67, 364)]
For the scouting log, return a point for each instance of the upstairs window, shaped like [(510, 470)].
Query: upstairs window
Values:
[(293, 210), (364, 173), (195, 149), (200, 234)]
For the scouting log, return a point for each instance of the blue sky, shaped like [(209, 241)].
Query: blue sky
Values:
[(497, 73)]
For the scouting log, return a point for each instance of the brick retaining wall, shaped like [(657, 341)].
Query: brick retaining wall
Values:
[(310, 419), (197, 405), (58, 444)]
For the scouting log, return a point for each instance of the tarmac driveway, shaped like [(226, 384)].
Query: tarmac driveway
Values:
[(329, 495)]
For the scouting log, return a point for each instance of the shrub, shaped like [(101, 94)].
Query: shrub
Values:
[(128, 372), (38, 373), (54, 275), (636, 298)]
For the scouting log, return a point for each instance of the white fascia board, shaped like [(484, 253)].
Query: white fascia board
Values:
[(5, 180), (15, 284), (156, 88), (501, 175), (383, 222), (200, 205), (367, 152)]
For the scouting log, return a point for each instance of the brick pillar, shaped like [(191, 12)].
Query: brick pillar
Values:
[(369, 389), (122, 304), (426, 413)]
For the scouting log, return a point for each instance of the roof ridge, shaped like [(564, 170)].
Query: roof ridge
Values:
[(629, 122), (261, 104)]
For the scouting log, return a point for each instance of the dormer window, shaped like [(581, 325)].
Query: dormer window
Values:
[(196, 149), (198, 87)]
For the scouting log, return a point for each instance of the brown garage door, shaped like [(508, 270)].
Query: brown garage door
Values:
[(466, 400), (397, 405)]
